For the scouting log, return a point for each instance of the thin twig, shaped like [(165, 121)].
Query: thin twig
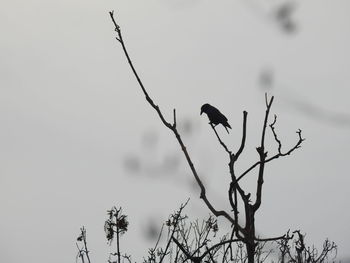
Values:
[(219, 245), (279, 154), (244, 135), (177, 218), (159, 236), (220, 141)]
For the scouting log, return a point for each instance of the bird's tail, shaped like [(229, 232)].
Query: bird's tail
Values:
[(227, 126)]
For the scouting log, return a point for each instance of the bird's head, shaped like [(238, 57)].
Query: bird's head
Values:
[(204, 108)]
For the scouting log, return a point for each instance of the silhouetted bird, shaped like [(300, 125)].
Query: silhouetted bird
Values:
[(215, 116)]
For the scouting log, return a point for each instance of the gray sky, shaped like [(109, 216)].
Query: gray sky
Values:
[(71, 113)]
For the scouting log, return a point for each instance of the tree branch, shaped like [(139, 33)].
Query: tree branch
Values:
[(279, 154), (297, 145), (234, 186), (173, 128), (262, 154), (219, 245), (286, 237), (187, 254), (220, 141), (244, 135)]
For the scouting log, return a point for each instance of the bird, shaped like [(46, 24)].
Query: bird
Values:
[(215, 116)]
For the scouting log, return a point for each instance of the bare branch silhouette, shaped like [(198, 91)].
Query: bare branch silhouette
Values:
[(236, 193), (83, 251), (172, 127), (174, 224), (199, 241)]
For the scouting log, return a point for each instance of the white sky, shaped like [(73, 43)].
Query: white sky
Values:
[(71, 112)]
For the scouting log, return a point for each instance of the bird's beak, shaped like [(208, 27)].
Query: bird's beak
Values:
[(201, 112)]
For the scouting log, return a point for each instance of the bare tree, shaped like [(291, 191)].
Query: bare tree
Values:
[(236, 194)]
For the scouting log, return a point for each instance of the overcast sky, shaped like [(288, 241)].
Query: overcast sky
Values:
[(77, 136)]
